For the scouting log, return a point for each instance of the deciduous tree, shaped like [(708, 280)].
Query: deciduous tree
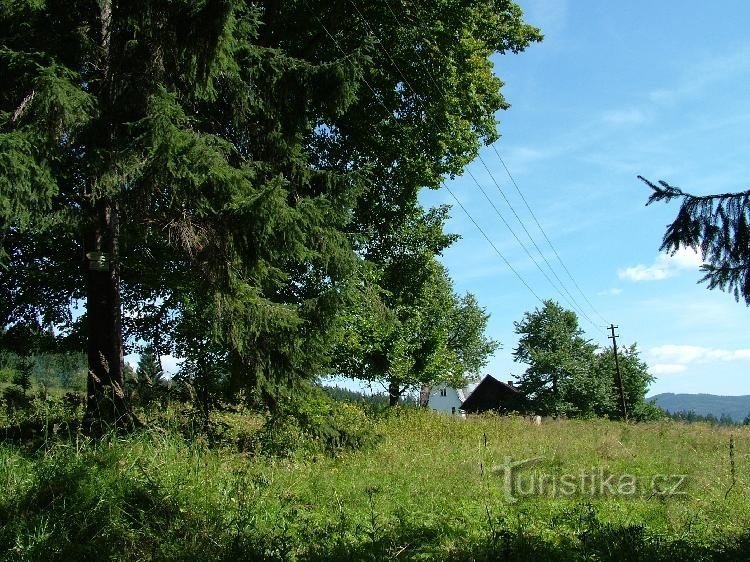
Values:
[(559, 378), (417, 337), (635, 381)]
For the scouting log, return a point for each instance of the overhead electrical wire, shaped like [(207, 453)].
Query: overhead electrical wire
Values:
[(574, 304), (544, 233), (520, 193)]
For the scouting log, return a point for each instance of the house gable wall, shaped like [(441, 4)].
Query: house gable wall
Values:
[(443, 403)]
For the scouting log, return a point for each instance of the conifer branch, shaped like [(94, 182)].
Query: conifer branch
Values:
[(719, 226)]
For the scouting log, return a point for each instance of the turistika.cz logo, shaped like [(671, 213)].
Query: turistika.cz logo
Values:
[(518, 483)]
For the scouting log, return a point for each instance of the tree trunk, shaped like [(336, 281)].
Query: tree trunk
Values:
[(106, 407), (393, 393), (424, 395)]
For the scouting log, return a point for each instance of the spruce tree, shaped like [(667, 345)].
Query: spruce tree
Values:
[(23, 374), (148, 366), (716, 225), (155, 155), (207, 167)]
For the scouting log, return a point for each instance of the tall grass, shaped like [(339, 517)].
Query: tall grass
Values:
[(425, 491)]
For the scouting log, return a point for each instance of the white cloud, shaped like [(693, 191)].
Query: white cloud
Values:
[(640, 272), (687, 354), (667, 369), (664, 267), (686, 258)]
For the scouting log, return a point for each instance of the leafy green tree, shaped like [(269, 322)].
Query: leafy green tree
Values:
[(215, 161), (430, 98), (408, 329), (635, 381), (408, 340), (467, 338), (717, 225), (429, 104), (560, 378)]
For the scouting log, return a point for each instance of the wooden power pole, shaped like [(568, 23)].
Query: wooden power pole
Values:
[(618, 376)]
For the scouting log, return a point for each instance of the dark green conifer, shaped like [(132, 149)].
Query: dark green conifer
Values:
[(205, 166)]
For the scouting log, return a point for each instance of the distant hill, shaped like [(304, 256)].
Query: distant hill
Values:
[(736, 407)]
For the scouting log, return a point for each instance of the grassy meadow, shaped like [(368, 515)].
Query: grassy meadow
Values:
[(424, 489)]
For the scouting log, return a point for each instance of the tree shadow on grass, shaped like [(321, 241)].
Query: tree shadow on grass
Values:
[(86, 507)]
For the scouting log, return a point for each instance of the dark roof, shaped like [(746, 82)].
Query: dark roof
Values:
[(490, 394)]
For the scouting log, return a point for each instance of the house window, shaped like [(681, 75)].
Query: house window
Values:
[(453, 410), (443, 392)]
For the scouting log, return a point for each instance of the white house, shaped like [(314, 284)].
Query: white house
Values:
[(443, 398), (488, 394)]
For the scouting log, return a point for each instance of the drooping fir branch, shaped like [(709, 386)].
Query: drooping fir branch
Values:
[(718, 225)]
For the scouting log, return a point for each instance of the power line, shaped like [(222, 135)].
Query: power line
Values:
[(340, 48), (498, 252), (479, 228), (523, 246), (528, 207), (544, 233), (574, 304)]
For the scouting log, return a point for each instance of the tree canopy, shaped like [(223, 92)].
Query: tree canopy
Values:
[(568, 375), (208, 176), (635, 381), (551, 343), (414, 334)]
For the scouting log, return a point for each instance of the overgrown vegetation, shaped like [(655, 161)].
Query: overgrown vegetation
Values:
[(424, 489)]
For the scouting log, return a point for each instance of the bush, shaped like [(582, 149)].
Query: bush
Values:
[(6, 374), (15, 399), (648, 411), (313, 422), (22, 376)]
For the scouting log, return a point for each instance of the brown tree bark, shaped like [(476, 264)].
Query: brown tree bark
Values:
[(106, 407), (394, 393)]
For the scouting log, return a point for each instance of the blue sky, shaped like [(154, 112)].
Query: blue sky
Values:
[(615, 90)]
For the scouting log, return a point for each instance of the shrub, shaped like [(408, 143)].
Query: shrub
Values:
[(22, 376), (6, 374), (313, 422)]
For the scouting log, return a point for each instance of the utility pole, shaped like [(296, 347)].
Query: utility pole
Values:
[(618, 376)]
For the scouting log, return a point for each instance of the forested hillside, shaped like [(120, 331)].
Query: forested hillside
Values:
[(736, 407)]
